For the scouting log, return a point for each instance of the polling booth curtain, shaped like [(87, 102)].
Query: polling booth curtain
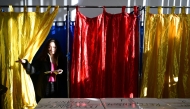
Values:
[(105, 55), (166, 55), (21, 35)]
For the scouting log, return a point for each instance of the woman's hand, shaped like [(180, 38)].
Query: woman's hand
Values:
[(22, 61), (59, 71)]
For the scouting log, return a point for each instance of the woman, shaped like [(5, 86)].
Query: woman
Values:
[(49, 66)]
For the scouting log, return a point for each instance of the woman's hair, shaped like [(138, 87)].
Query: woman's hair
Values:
[(45, 50)]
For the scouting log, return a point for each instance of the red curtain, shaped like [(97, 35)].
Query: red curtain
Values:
[(105, 55)]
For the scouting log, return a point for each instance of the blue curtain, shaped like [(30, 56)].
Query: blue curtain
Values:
[(141, 46), (60, 33)]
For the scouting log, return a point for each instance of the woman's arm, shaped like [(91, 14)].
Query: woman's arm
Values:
[(30, 69), (61, 64)]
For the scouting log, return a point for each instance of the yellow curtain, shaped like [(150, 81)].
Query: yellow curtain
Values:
[(21, 35), (166, 55)]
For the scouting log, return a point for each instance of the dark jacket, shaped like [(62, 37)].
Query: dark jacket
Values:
[(39, 67)]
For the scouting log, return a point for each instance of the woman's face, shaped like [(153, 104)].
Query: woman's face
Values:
[(52, 48)]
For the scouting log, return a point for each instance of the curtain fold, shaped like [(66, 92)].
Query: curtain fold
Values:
[(105, 55), (166, 55), (21, 35)]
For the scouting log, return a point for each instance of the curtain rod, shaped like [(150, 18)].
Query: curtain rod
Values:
[(45, 6), (169, 6)]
